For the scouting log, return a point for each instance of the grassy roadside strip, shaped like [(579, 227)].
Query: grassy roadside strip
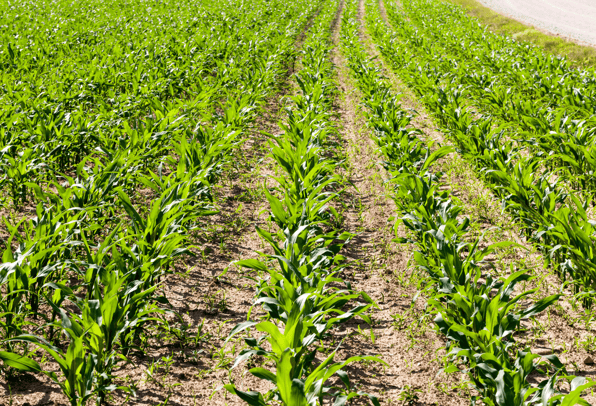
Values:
[(302, 296), (556, 221), (474, 311), (581, 54)]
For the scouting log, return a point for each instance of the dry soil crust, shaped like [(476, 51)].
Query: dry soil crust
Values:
[(412, 350)]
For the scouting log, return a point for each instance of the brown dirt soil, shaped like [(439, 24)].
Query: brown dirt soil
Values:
[(410, 346)]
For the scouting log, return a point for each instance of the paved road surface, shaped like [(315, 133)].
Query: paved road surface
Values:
[(572, 19)]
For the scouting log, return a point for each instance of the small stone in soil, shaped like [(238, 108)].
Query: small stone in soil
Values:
[(543, 351)]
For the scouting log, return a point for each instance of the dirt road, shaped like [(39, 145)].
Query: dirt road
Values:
[(572, 19)]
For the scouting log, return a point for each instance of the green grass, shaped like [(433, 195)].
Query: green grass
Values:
[(584, 56)]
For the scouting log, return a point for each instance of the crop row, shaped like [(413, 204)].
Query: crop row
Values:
[(114, 82), (550, 104), (476, 312), (553, 216), (80, 279), (304, 297)]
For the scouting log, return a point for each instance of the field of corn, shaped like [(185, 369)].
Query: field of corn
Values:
[(297, 203)]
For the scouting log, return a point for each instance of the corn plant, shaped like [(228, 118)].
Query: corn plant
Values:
[(90, 134), (479, 323), (298, 295), (535, 158)]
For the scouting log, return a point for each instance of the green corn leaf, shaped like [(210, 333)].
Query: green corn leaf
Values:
[(297, 396), (239, 328), (284, 376), (278, 342), (574, 397), (252, 264), (264, 374), (252, 398), (19, 362), (539, 306)]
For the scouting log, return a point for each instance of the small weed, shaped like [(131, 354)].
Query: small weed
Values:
[(409, 395), (216, 302)]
